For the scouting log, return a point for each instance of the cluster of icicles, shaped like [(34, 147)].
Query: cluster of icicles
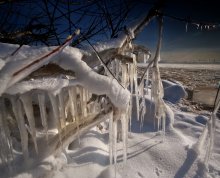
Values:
[(69, 106), (127, 75), (55, 105)]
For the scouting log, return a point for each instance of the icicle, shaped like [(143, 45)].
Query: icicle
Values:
[(124, 135), (117, 64), (85, 99), (6, 150), (28, 108), (136, 86), (131, 79), (17, 110), (62, 109), (130, 114), (157, 95), (211, 131), (147, 82), (114, 130), (55, 108), (74, 109), (124, 76), (111, 138), (142, 105), (143, 111), (83, 102), (72, 105), (41, 101), (157, 92)]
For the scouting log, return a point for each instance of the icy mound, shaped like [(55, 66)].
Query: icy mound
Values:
[(173, 92)]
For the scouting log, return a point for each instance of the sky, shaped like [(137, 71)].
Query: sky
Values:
[(178, 44), (181, 44)]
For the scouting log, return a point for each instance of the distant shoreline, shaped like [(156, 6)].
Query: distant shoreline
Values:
[(185, 66), (189, 62)]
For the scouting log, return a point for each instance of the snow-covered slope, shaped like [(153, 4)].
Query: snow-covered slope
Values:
[(149, 154), (180, 150)]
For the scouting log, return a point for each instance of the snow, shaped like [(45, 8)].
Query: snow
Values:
[(97, 84), (173, 92), (147, 155), (53, 85)]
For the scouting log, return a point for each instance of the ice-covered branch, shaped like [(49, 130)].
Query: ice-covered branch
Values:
[(156, 58), (159, 44), (70, 59)]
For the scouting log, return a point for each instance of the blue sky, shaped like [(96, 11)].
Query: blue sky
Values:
[(194, 43), (181, 44)]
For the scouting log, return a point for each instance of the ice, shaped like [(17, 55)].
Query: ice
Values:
[(83, 99), (2, 63), (86, 98), (5, 141), (117, 64), (157, 91), (70, 59), (43, 114), (111, 138), (130, 114), (62, 109), (97, 84), (136, 85), (207, 137), (18, 113), (211, 126), (142, 104), (124, 76), (124, 121), (131, 77), (147, 82), (55, 109), (143, 111), (74, 109), (28, 108), (131, 80), (115, 133), (157, 95)]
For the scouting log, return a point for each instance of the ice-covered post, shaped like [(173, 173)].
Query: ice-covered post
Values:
[(157, 87)]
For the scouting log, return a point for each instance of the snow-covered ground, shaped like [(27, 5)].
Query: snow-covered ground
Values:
[(150, 154)]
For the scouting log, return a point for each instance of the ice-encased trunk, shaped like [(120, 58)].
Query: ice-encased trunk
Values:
[(43, 113), (28, 108), (19, 115)]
